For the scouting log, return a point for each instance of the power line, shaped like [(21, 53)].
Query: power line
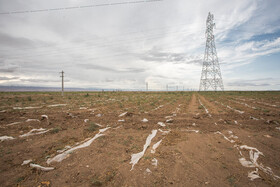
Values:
[(78, 7)]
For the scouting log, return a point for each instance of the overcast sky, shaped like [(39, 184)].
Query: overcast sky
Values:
[(123, 46)]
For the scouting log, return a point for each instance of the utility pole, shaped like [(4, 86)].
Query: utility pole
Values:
[(211, 77), (147, 86), (167, 87), (62, 82)]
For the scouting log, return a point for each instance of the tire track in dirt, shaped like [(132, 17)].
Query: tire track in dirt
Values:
[(193, 106), (210, 106)]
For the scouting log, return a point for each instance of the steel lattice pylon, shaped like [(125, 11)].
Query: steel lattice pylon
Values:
[(211, 78)]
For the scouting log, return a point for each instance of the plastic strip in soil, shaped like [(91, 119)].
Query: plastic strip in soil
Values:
[(64, 155), (136, 157)]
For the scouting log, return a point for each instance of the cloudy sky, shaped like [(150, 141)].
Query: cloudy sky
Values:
[(114, 44)]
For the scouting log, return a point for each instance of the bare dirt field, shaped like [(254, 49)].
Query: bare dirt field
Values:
[(140, 139)]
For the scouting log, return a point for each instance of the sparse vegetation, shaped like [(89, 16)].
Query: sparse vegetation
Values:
[(55, 130), (29, 98), (92, 127), (95, 181)]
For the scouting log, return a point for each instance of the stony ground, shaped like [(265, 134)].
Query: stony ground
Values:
[(115, 139)]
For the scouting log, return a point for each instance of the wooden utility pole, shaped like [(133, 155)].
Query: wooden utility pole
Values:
[(147, 86), (167, 87), (62, 82)]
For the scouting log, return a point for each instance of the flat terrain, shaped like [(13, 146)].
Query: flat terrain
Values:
[(115, 139)]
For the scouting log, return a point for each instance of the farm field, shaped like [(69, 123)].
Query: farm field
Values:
[(140, 139)]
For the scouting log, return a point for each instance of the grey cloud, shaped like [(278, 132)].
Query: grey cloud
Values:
[(165, 77), (103, 68), (109, 80), (245, 84), (42, 80), (162, 56), (8, 78), (8, 70), (11, 41), (176, 58)]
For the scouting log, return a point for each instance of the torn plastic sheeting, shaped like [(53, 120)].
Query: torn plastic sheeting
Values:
[(226, 138), (269, 171), (233, 136), (103, 130), (169, 121), (246, 163), (44, 116), (55, 105), (41, 167), (37, 131), (64, 155), (251, 117), (26, 162), (164, 132), (155, 146), (121, 120), (239, 111), (267, 104), (65, 148), (86, 120), (98, 124), (14, 123), (23, 108), (245, 104), (161, 124), (154, 162), (122, 114), (118, 127), (206, 110), (168, 116), (191, 130), (136, 157), (254, 155), (2, 138), (254, 174), (30, 120), (148, 171), (144, 120)]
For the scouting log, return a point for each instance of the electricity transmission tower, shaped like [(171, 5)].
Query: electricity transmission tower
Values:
[(62, 82), (211, 78)]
